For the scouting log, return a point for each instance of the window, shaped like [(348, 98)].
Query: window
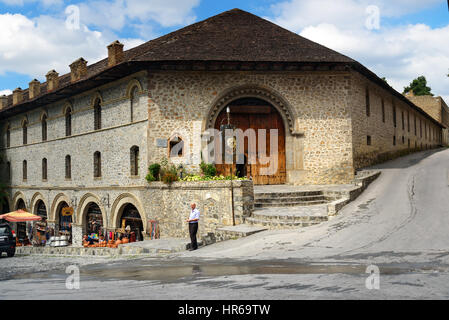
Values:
[(403, 120), (416, 132), (44, 169), (420, 128), (24, 170), (403, 140), (97, 115), (25, 131), (394, 140), (394, 115), (97, 164), (8, 171), (408, 121), (134, 101), (409, 143), (425, 130), (367, 103), (134, 155), (8, 136), (44, 127), (176, 147), (68, 122), (68, 167), (368, 140), (383, 111)]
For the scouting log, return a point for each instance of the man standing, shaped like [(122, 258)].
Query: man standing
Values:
[(193, 225)]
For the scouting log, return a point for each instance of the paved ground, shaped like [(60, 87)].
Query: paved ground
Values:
[(399, 224)]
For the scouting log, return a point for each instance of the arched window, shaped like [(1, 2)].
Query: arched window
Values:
[(68, 167), (68, 122), (97, 164), (24, 170), (134, 155), (8, 136), (176, 147), (8, 169), (97, 115), (25, 131), (44, 127), (44, 169), (134, 101)]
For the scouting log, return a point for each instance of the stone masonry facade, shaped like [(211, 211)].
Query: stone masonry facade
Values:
[(326, 140)]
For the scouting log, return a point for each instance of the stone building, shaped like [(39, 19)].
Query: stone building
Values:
[(437, 108), (84, 140)]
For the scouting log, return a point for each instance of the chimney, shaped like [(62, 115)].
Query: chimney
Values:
[(3, 102), (35, 89), (17, 96), (115, 53), (52, 80), (78, 69), (410, 93)]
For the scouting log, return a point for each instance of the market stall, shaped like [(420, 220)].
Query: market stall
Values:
[(20, 217)]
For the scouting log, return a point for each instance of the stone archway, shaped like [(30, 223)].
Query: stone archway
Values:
[(120, 204), (253, 91), (37, 203), (260, 141), (84, 207)]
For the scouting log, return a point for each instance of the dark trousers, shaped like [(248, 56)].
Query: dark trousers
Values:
[(193, 229)]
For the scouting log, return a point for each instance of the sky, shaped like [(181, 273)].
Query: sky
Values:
[(397, 39)]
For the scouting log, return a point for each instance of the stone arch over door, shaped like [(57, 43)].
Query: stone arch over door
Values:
[(35, 200), (17, 197), (60, 198), (83, 207), (118, 206), (253, 91)]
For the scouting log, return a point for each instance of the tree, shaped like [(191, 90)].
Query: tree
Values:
[(419, 87)]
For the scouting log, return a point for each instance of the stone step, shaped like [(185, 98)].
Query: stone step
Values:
[(292, 199), (282, 217), (288, 204), (278, 224), (275, 195)]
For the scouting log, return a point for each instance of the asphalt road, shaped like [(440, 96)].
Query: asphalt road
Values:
[(399, 224)]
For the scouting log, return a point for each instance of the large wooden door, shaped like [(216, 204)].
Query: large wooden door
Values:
[(258, 117)]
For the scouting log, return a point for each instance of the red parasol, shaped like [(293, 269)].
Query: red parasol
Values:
[(20, 216)]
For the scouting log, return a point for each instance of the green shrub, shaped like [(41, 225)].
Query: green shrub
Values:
[(208, 170), (150, 177), (169, 177), (155, 170)]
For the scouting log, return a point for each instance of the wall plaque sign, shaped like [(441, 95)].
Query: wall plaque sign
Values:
[(161, 143)]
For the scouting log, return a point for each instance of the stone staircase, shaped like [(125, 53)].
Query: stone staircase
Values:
[(281, 210), (289, 199)]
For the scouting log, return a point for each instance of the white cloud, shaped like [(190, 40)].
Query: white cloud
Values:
[(118, 13), (399, 53), (5, 92), (46, 3), (35, 46)]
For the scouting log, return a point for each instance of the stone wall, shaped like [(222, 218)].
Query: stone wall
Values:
[(170, 205), (316, 106), (382, 129), (117, 136)]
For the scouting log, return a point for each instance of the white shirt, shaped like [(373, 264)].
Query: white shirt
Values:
[(194, 214)]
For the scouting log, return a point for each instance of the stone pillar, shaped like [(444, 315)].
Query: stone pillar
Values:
[(77, 235)]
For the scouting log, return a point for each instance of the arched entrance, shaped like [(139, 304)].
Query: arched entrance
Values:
[(256, 114), (93, 222), (41, 209), (64, 222), (21, 226), (131, 217), (5, 205)]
